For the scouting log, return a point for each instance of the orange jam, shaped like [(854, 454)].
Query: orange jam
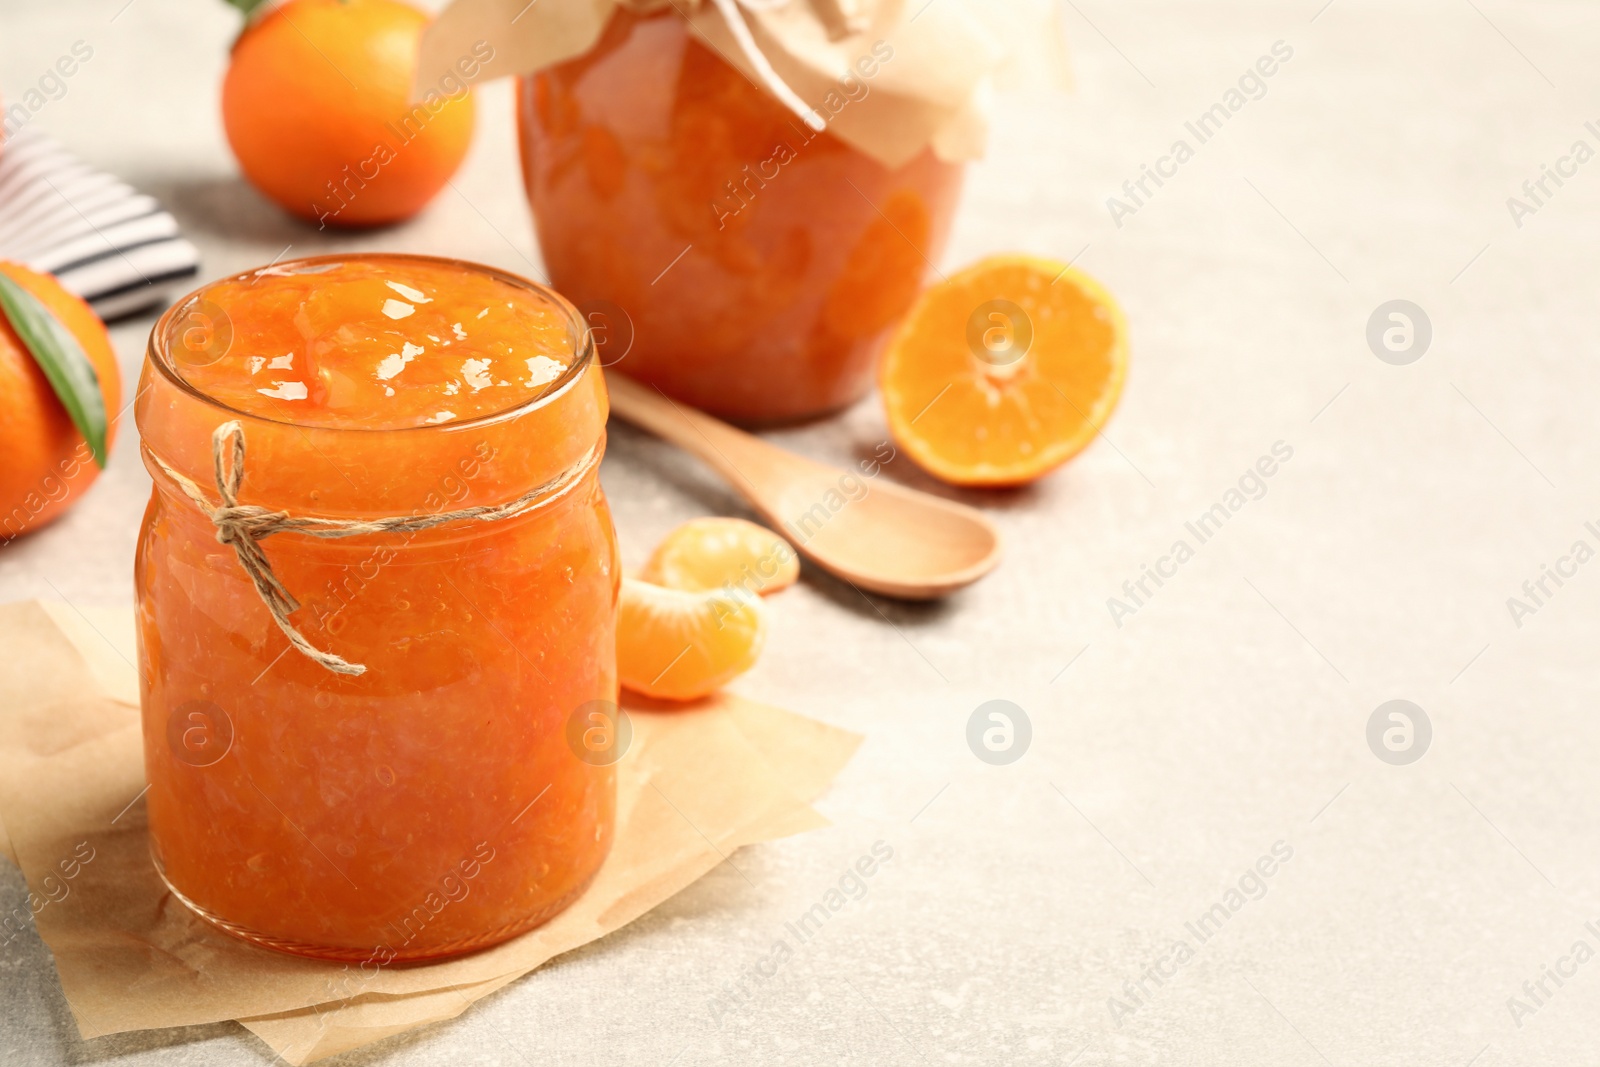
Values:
[(432, 804), (723, 251)]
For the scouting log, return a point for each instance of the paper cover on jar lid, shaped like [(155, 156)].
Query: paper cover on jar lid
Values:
[(131, 957), (926, 67)]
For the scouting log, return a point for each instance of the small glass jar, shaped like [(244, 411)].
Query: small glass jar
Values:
[(433, 804), (759, 265)]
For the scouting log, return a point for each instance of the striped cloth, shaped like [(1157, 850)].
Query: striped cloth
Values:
[(113, 246)]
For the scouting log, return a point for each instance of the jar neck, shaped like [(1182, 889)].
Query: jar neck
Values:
[(358, 474)]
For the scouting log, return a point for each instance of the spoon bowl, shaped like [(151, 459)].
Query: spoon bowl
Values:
[(877, 536)]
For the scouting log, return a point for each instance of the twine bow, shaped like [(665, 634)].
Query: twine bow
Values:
[(244, 526)]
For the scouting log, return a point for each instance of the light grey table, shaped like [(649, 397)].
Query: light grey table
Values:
[(1230, 711)]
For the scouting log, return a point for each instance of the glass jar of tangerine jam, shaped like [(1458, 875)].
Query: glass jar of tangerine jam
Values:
[(430, 804), (756, 266)]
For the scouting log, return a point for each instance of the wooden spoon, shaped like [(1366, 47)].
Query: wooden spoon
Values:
[(868, 531)]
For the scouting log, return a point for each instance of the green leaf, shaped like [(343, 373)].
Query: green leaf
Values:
[(63, 361), (246, 7)]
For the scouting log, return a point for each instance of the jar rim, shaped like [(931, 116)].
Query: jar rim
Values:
[(158, 347)]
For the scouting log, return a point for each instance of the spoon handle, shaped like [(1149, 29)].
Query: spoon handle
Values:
[(734, 454)]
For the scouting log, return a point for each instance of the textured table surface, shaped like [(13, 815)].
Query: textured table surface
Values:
[(1031, 911)]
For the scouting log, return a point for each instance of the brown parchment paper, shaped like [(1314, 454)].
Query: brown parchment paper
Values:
[(695, 785), (947, 55)]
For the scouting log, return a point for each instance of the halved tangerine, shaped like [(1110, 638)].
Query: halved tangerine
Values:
[(1005, 371), (679, 645), (706, 554)]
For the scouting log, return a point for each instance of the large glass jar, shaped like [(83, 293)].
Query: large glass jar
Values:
[(759, 265), (431, 804)]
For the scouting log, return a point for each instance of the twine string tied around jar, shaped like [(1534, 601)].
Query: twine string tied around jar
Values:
[(243, 527)]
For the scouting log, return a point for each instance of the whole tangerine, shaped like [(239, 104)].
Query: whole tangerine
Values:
[(47, 464), (318, 110)]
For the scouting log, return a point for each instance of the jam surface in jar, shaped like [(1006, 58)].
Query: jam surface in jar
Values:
[(738, 260), (377, 343), (431, 804)]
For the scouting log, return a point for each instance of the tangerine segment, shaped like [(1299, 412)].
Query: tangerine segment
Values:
[(679, 645), (1005, 371), (706, 554)]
